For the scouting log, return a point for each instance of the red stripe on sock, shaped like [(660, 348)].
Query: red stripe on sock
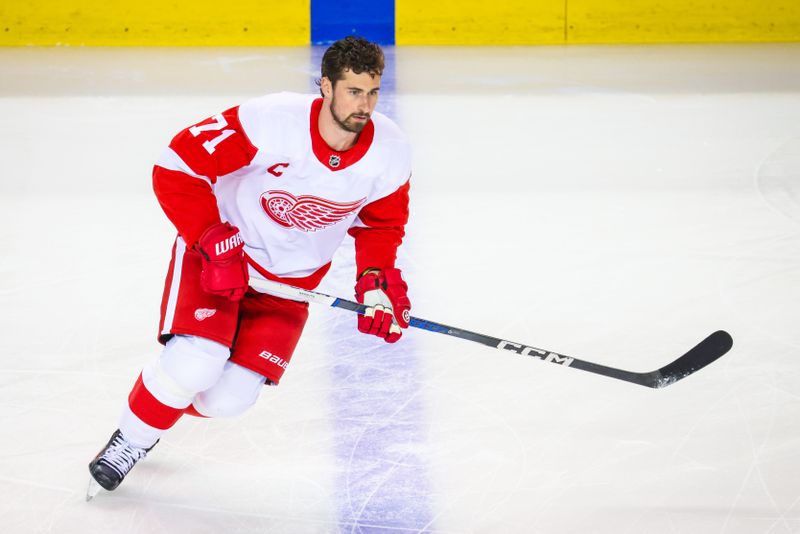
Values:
[(149, 409), (191, 410)]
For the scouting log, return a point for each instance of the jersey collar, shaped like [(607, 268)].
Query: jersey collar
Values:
[(335, 160)]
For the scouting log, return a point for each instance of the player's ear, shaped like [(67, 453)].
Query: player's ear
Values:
[(326, 86)]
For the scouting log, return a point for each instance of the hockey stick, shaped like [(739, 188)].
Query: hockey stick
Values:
[(706, 352)]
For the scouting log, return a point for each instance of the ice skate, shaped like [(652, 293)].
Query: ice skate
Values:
[(112, 463)]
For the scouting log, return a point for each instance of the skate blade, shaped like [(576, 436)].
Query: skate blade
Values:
[(94, 489)]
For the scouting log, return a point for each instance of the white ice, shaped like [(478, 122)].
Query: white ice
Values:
[(617, 204)]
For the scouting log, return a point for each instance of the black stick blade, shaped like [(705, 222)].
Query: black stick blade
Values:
[(707, 351)]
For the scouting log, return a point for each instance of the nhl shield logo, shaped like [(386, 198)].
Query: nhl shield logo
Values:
[(334, 161)]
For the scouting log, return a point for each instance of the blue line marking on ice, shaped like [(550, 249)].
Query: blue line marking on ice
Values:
[(377, 409), (379, 421)]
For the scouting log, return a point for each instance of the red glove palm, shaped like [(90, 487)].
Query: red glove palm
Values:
[(385, 294), (224, 266)]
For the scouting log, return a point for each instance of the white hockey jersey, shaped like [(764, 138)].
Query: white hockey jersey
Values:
[(264, 167)]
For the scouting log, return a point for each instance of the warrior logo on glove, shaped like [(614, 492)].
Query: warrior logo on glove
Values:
[(388, 308), (224, 266), (230, 243)]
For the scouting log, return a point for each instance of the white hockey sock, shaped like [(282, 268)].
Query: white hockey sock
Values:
[(136, 431)]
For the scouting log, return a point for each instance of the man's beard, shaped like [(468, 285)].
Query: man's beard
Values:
[(347, 124)]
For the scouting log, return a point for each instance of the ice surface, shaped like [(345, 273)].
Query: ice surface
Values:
[(617, 204)]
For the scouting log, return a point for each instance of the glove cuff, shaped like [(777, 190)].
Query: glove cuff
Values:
[(392, 277)]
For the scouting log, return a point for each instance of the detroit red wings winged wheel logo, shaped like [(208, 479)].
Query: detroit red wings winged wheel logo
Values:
[(307, 213)]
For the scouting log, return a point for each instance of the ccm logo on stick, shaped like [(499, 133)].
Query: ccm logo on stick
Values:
[(536, 353)]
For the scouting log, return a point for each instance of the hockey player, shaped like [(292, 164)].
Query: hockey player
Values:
[(267, 189)]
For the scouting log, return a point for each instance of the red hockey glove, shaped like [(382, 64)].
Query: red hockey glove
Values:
[(384, 292), (224, 266)]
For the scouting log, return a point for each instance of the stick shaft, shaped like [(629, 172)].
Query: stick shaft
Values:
[(698, 357)]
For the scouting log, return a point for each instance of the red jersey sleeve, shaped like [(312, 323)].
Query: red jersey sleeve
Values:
[(196, 158), (384, 223)]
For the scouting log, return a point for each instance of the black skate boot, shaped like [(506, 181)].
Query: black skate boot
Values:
[(112, 463)]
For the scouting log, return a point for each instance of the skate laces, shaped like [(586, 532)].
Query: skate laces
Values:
[(121, 455)]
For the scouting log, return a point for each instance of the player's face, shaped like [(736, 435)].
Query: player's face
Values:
[(353, 99)]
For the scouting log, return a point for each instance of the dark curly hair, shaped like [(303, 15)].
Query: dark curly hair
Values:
[(351, 53)]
